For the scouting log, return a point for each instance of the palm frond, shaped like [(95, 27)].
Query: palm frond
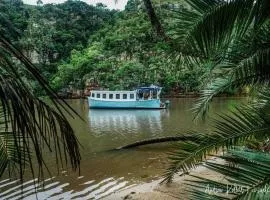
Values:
[(223, 23), (218, 86), (187, 20), (36, 123), (35, 126), (210, 30), (248, 178), (230, 130), (233, 36), (9, 153), (249, 72)]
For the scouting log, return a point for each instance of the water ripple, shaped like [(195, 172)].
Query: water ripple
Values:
[(52, 189)]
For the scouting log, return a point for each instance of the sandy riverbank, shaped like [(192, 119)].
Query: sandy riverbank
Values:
[(176, 190)]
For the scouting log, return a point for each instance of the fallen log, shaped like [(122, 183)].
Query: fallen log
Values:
[(158, 140)]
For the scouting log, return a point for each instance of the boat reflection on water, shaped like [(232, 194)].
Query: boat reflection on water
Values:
[(126, 121)]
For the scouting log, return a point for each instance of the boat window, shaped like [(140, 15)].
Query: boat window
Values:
[(117, 96), (104, 96), (98, 95), (110, 96), (124, 96), (93, 94), (131, 96)]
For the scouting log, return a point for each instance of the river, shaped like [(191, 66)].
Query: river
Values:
[(104, 171)]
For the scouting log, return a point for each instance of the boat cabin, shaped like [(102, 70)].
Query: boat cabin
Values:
[(143, 93), (113, 95)]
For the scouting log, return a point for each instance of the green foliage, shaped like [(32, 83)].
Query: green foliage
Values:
[(130, 56), (133, 5), (74, 22), (48, 33), (13, 18), (57, 36)]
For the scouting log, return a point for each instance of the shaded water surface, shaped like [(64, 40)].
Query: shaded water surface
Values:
[(103, 170)]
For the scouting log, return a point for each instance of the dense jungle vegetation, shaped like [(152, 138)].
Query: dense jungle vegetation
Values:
[(222, 43), (74, 42)]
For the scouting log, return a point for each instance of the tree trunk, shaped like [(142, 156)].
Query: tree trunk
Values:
[(154, 20)]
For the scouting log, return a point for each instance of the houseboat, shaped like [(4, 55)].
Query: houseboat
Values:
[(141, 98)]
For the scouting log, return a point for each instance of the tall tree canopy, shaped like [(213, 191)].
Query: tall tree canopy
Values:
[(130, 40)]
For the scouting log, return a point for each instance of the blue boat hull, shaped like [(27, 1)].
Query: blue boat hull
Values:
[(140, 104)]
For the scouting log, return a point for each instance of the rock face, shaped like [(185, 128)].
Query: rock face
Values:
[(72, 92)]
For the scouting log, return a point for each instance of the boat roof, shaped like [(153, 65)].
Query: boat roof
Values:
[(140, 89), (113, 91), (152, 87)]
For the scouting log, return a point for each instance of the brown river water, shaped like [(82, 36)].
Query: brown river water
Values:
[(104, 171)]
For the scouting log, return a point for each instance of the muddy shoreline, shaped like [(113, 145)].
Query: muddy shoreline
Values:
[(175, 190)]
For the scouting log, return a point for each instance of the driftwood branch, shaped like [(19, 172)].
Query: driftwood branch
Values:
[(158, 140)]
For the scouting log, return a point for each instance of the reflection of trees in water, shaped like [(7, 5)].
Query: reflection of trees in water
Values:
[(125, 121)]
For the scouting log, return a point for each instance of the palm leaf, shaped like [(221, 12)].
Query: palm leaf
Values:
[(234, 37), (223, 23), (229, 130), (9, 153), (249, 179), (31, 126), (249, 72)]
